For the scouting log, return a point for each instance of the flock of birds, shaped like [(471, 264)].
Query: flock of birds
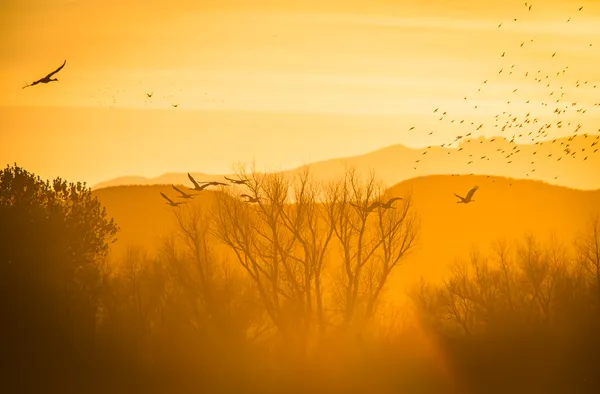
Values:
[(512, 125), (48, 78), (366, 208), (506, 121), (151, 94), (201, 186)]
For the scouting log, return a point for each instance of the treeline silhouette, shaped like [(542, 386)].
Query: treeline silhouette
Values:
[(300, 309), (527, 313)]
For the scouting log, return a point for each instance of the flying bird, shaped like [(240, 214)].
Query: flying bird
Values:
[(250, 199), (388, 204), (171, 202), (183, 194), (214, 183), (238, 181), (468, 199), (197, 186), (149, 94), (48, 78), (374, 205)]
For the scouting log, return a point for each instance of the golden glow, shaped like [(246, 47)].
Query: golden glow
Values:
[(280, 82)]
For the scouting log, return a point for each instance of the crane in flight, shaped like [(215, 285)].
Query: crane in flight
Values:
[(214, 183), (197, 186), (367, 208), (183, 194), (238, 181), (468, 198), (171, 202), (48, 78), (250, 199), (388, 204)]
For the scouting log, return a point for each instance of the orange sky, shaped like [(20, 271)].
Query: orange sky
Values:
[(282, 82)]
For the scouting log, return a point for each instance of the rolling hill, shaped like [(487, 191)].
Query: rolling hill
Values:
[(503, 208)]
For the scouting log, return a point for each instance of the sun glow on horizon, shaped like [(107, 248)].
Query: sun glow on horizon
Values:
[(329, 69)]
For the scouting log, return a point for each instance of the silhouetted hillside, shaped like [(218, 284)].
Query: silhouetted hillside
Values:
[(165, 179), (144, 214), (560, 162), (503, 208)]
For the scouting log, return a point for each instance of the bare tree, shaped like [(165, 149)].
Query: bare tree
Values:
[(133, 272), (549, 312), (192, 226), (504, 262), (458, 298), (221, 301), (283, 233), (588, 253), (131, 304), (305, 219), (373, 240), (538, 291), (536, 276), (281, 243)]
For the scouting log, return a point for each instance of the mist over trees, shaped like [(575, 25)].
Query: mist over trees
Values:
[(284, 243), (283, 295), (529, 312)]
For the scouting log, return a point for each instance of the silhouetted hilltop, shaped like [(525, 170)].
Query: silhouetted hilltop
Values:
[(142, 214), (165, 179), (503, 208), (572, 162)]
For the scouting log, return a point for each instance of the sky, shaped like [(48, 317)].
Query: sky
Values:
[(280, 82)]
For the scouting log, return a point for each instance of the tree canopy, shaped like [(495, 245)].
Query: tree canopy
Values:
[(53, 235), (50, 226)]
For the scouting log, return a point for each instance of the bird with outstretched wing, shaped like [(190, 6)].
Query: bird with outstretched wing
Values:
[(183, 194), (171, 202), (388, 205), (468, 198), (48, 78)]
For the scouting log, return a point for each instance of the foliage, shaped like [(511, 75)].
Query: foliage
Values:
[(297, 307), (55, 236)]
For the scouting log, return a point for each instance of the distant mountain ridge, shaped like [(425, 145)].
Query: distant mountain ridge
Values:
[(398, 163)]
